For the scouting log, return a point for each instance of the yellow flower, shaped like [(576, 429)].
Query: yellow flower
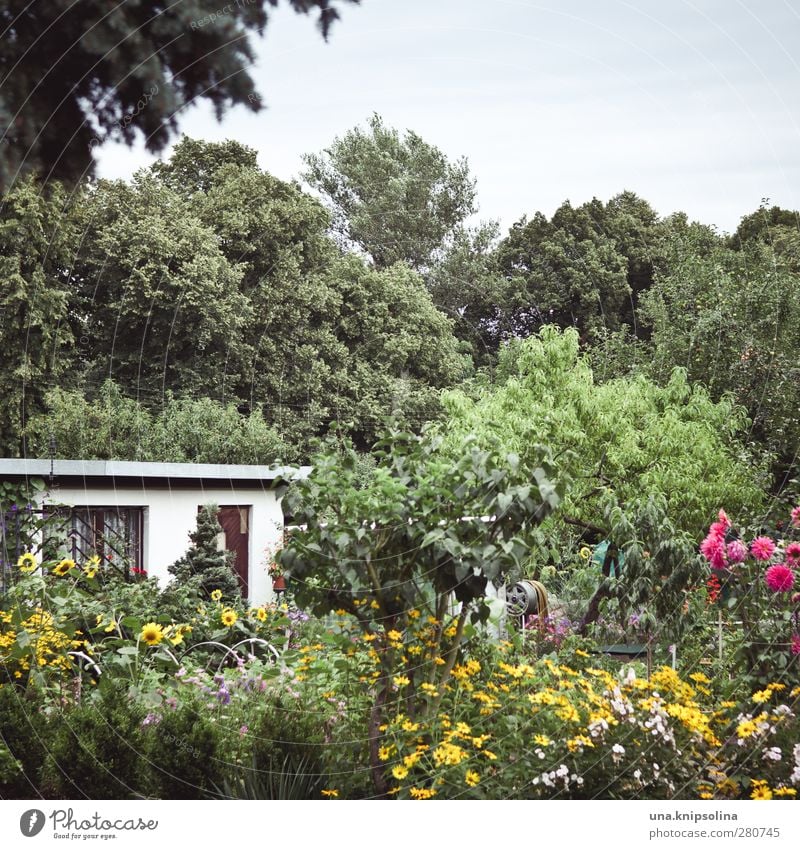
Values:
[(760, 790), (581, 653), (421, 793), (112, 626), (27, 563), (152, 634), (216, 595), (63, 567), (228, 617), (429, 689), (374, 605), (261, 614), (761, 696), (785, 791), (331, 794), (399, 772), (541, 740), (472, 779), (90, 568), (340, 612), (413, 614), (401, 681), (385, 752), (395, 636), (368, 638), (585, 552)]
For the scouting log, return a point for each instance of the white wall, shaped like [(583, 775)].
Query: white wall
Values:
[(170, 515)]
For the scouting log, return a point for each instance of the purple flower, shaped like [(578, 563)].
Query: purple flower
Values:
[(151, 719)]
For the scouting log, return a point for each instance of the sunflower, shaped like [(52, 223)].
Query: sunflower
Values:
[(152, 634), (91, 566), (176, 633), (63, 567), (585, 552), (228, 617), (27, 563), (216, 595), (261, 614)]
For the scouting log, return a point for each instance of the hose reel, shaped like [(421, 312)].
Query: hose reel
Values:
[(525, 598)]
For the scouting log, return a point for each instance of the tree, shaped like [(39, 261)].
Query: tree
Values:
[(35, 334), (204, 568), (157, 301), (110, 426), (732, 320), (78, 74), (331, 338), (618, 442), (408, 542), (586, 267), (394, 198)]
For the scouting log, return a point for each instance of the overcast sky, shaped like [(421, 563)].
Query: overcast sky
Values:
[(692, 105)]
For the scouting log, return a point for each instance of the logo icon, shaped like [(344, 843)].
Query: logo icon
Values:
[(31, 822)]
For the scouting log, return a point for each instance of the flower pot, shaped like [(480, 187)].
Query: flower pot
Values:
[(279, 584)]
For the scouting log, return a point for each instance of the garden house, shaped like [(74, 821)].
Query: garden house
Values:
[(137, 516)]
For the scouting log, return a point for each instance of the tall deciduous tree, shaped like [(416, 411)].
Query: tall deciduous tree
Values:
[(158, 302), (619, 441), (77, 74), (37, 342), (393, 197)]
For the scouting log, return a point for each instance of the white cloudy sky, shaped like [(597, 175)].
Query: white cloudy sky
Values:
[(693, 105)]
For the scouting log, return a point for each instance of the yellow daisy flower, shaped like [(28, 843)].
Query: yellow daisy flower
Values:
[(152, 634), (216, 595), (228, 617), (64, 567), (26, 563)]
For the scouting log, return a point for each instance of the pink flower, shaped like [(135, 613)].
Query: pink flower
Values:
[(793, 553), (779, 578), (713, 549), (795, 643), (796, 516), (724, 520), (762, 548), (737, 551)]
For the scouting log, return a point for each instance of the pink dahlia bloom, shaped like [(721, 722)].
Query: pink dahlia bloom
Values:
[(795, 643), (796, 516), (737, 551), (793, 553), (762, 548), (779, 578), (713, 549), (724, 520)]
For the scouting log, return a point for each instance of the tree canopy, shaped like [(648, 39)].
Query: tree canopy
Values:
[(78, 74)]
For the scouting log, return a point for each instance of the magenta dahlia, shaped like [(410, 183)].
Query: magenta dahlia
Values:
[(713, 549), (795, 643), (762, 548), (779, 578), (796, 516), (793, 553), (737, 551)]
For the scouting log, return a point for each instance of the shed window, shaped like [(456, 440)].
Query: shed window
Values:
[(113, 533)]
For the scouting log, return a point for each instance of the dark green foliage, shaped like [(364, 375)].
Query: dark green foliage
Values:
[(183, 752), (204, 568), (288, 756), (78, 74), (23, 732), (396, 198), (95, 749), (35, 337), (111, 426)]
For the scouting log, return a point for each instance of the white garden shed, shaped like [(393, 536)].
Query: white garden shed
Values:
[(144, 512)]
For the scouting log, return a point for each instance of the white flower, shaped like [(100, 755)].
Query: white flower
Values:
[(620, 750), (773, 754)]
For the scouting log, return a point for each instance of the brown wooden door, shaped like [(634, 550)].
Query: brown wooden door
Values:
[(235, 521)]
